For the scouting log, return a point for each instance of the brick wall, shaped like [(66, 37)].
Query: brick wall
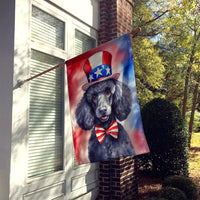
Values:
[(118, 177), (115, 19)]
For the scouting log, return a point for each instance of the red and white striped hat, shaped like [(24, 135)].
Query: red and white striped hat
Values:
[(98, 68)]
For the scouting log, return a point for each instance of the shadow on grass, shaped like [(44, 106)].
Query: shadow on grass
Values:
[(195, 149)]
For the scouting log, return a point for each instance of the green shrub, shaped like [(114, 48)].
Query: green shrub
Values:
[(167, 138), (171, 193), (183, 183)]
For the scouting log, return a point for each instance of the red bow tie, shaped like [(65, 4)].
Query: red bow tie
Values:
[(111, 130)]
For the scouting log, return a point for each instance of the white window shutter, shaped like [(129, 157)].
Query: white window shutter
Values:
[(83, 43), (47, 29), (45, 140), (46, 109)]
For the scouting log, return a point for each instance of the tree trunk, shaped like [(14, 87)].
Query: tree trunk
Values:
[(198, 99), (185, 91), (194, 103), (188, 74)]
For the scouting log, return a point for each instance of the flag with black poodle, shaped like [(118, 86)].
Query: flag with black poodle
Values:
[(105, 114)]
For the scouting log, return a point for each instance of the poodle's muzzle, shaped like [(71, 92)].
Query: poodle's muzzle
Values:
[(103, 105)]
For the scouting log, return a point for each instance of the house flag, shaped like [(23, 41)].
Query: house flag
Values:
[(104, 109)]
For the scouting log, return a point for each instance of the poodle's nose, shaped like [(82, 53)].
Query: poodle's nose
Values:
[(103, 109)]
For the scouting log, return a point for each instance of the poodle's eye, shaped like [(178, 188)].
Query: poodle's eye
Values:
[(94, 97), (107, 92)]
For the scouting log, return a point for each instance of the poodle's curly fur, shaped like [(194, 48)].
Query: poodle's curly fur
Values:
[(102, 103)]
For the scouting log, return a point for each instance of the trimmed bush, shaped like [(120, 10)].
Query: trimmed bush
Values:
[(183, 183), (167, 138), (171, 193)]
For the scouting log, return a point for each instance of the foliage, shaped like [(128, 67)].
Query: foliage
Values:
[(182, 183), (149, 67), (167, 136), (182, 31), (174, 72), (175, 25), (181, 39), (147, 15), (171, 193), (149, 70)]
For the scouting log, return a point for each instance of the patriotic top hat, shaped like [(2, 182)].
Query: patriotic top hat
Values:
[(98, 68)]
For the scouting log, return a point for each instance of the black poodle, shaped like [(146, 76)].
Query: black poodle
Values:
[(101, 105)]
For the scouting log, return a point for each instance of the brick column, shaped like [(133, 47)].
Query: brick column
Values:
[(115, 19), (118, 177), (123, 178)]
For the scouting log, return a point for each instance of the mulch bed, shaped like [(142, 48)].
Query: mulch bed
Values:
[(148, 186)]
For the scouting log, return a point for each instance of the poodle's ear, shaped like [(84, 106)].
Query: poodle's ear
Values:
[(122, 101), (84, 114)]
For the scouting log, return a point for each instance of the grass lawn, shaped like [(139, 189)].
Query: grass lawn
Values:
[(195, 141), (194, 159)]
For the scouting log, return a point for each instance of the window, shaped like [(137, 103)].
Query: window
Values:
[(83, 43), (47, 29), (46, 109)]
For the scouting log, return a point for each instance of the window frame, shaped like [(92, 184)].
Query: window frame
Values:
[(59, 183), (51, 51), (70, 25)]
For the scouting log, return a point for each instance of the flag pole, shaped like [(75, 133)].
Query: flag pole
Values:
[(20, 83)]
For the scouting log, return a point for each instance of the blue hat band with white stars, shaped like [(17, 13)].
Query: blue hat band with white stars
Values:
[(99, 72)]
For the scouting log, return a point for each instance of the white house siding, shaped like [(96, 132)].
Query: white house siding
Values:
[(73, 182)]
